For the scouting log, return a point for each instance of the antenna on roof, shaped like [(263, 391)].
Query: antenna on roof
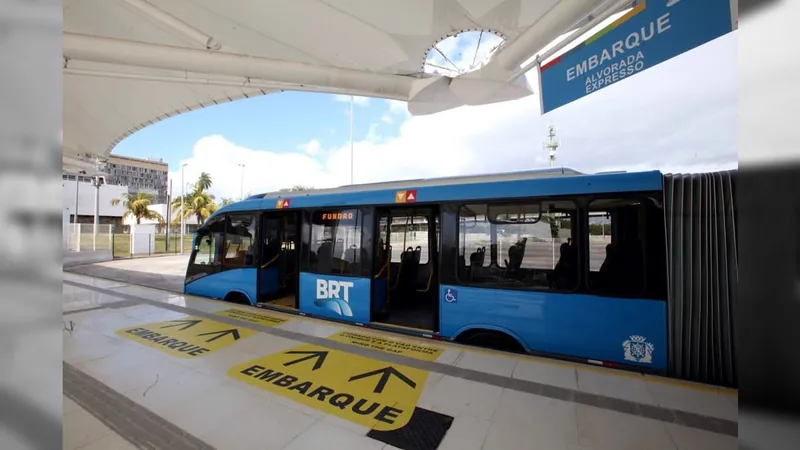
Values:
[(551, 145)]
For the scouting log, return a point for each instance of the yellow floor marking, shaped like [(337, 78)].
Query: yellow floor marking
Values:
[(258, 318), (187, 337), (393, 346), (366, 391), (548, 361)]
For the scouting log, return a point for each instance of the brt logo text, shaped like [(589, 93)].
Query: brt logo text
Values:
[(334, 296), (332, 289)]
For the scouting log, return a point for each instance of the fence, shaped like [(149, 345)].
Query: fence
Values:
[(125, 244)]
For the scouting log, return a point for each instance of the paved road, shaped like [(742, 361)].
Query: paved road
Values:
[(161, 272)]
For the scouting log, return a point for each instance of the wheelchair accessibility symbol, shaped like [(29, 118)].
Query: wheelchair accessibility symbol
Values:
[(451, 296)]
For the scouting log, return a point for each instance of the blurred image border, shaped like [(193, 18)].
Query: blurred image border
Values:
[(768, 190), (31, 344)]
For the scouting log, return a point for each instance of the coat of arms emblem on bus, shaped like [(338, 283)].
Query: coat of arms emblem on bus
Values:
[(637, 349)]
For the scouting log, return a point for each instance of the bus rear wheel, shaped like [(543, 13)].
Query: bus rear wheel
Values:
[(494, 340), (237, 298)]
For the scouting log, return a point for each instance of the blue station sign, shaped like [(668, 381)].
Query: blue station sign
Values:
[(650, 33)]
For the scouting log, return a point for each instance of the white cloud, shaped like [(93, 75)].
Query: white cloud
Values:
[(677, 117), (358, 101), (311, 147), (264, 170), (395, 109), (372, 134)]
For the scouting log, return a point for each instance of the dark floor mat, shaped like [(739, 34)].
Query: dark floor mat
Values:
[(424, 431)]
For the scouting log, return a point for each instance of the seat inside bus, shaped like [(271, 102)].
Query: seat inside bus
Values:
[(509, 231)]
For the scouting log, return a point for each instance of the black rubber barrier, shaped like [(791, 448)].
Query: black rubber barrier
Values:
[(424, 431)]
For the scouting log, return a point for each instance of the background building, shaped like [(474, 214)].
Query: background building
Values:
[(139, 175), (109, 215), (84, 191)]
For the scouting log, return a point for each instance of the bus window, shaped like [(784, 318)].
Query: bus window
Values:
[(409, 231), (335, 243), (616, 251), (208, 244), (240, 241), (521, 245)]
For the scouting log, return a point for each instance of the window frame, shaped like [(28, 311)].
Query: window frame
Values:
[(256, 218), (193, 269), (642, 197), (428, 248), (364, 270), (575, 230)]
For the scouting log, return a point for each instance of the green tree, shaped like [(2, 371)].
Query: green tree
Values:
[(598, 229), (198, 203), (203, 182), (136, 206), (226, 201)]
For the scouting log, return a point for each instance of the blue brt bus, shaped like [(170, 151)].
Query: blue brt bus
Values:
[(619, 269)]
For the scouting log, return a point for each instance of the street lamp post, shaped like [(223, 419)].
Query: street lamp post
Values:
[(96, 184), (352, 102), (182, 197), (75, 215)]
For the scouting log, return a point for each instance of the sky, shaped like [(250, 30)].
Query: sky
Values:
[(679, 116)]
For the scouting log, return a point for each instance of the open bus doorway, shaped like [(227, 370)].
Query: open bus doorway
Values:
[(279, 267), (405, 277)]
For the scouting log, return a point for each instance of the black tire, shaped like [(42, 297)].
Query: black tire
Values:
[(494, 340), (237, 298)]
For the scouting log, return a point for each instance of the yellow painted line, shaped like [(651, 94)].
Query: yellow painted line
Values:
[(258, 318), (187, 337), (365, 391), (392, 346)]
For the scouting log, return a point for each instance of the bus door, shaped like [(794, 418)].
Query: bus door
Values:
[(336, 267), (278, 269), (406, 276)]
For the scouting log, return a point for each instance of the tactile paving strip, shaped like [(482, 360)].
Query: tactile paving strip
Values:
[(131, 421)]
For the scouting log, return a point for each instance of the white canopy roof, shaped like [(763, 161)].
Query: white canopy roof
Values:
[(131, 63)]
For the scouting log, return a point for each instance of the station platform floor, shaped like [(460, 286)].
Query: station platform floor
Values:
[(148, 368)]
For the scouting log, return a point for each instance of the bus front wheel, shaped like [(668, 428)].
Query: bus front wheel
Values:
[(494, 340)]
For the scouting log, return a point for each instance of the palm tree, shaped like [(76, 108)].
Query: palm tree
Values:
[(136, 205), (203, 182), (226, 201), (198, 203)]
